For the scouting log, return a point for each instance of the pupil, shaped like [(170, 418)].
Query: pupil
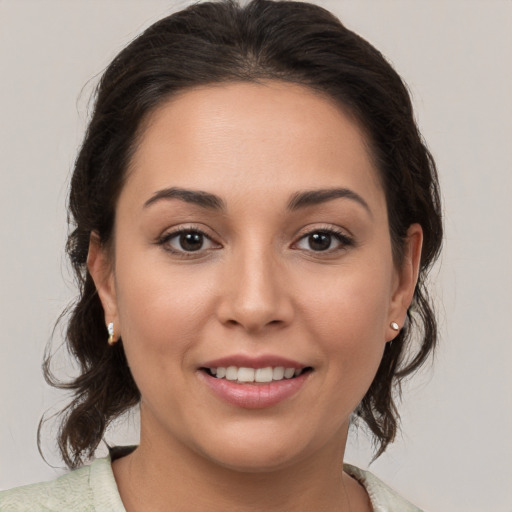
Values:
[(320, 241), (191, 241)]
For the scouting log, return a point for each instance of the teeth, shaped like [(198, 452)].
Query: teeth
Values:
[(243, 374), (263, 374), (246, 374), (278, 373), (232, 373), (289, 373)]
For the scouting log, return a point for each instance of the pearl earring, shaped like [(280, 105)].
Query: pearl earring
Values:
[(110, 329), (394, 326)]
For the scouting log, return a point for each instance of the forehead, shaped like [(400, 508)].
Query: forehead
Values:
[(269, 137)]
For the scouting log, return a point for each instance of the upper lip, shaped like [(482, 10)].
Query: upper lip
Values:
[(245, 361)]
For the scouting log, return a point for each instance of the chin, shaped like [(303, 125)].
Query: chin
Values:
[(257, 461), (258, 450)]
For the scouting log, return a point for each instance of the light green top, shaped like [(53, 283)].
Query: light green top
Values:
[(90, 488), (93, 488)]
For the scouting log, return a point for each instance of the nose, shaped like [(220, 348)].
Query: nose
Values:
[(254, 293)]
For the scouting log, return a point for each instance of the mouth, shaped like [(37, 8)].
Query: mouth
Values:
[(247, 375), (255, 382)]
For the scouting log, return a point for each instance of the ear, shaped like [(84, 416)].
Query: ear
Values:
[(100, 267), (405, 280)]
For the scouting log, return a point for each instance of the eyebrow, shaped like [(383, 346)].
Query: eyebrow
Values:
[(297, 201), (197, 197), (315, 197)]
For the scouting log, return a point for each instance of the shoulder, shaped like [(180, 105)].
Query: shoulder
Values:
[(90, 488), (382, 497)]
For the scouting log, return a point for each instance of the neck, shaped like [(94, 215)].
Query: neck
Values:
[(162, 472)]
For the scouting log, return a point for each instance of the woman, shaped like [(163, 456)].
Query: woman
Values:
[(254, 215)]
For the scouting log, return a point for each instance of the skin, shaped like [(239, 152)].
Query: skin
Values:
[(257, 286)]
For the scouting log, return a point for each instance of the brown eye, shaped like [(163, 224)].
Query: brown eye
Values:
[(191, 241), (320, 241), (324, 241), (187, 241)]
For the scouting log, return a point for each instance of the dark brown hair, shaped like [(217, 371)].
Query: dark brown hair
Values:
[(215, 42)]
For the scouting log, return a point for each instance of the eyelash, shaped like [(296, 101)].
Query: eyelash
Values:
[(342, 238), (167, 237)]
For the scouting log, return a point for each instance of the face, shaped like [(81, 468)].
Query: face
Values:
[(252, 243)]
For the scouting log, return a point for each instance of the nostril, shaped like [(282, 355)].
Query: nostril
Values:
[(250, 308), (250, 323)]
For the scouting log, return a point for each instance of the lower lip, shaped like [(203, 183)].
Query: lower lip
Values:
[(255, 396)]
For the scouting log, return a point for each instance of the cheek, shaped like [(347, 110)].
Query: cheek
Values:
[(353, 303), (348, 322), (161, 310), (160, 317)]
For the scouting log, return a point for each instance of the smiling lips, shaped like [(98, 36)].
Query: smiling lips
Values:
[(260, 375), (254, 384)]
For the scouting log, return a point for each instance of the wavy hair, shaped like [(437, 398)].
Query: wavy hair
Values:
[(216, 42)]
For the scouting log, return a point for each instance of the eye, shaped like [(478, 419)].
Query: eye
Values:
[(189, 240), (325, 240)]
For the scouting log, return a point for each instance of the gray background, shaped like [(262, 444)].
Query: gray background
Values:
[(456, 452)]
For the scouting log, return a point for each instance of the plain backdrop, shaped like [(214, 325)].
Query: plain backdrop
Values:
[(456, 451)]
